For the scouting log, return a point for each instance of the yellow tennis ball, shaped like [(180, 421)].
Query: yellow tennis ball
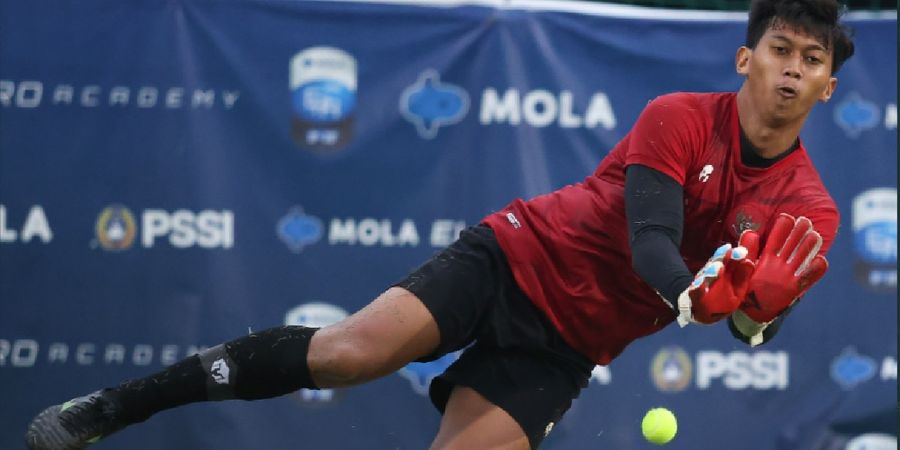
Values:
[(659, 426)]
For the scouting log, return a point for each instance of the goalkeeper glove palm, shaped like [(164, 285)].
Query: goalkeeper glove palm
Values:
[(788, 266), (719, 287)]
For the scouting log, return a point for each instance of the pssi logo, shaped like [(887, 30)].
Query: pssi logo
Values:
[(671, 369), (323, 97), (759, 370), (116, 228), (430, 104)]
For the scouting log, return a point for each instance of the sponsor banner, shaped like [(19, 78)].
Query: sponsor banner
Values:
[(255, 165), (674, 370), (298, 230), (29, 353), (874, 228), (28, 94), (117, 228), (33, 225)]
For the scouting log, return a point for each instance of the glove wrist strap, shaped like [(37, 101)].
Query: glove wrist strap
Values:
[(685, 305), (750, 328)]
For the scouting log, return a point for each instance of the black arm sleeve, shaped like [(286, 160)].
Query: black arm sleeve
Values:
[(655, 213)]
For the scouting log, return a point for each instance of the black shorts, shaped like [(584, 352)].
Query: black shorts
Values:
[(518, 361)]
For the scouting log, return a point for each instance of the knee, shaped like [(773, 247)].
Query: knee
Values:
[(340, 360)]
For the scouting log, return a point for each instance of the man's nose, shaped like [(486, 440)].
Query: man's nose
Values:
[(792, 68)]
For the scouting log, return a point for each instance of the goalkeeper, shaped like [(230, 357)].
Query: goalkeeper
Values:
[(543, 290)]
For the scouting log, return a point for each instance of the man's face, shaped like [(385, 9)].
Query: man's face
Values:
[(787, 73)]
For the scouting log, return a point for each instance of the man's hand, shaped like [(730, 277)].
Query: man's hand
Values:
[(720, 286), (788, 266)]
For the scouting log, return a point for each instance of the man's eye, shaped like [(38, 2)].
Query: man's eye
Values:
[(813, 60)]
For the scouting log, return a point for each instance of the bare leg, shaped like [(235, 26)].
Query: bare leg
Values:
[(377, 340), (470, 421)]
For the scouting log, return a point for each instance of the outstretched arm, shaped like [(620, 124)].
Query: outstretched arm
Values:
[(655, 214), (654, 211)]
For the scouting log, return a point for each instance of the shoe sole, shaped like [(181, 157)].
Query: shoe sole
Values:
[(46, 433)]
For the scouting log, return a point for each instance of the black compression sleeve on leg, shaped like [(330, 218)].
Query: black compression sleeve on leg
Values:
[(176, 385), (261, 365)]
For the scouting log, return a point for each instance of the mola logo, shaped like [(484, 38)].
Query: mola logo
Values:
[(430, 104), (298, 230), (855, 115), (421, 374), (850, 368)]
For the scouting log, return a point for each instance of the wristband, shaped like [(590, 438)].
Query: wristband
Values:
[(750, 328)]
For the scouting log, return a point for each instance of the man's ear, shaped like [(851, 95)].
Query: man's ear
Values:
[(742, 60), (829, 90)]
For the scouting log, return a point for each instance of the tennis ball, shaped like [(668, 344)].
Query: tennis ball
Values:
[(659, 426)]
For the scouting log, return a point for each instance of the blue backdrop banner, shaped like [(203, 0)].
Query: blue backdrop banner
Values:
[(174, 174)]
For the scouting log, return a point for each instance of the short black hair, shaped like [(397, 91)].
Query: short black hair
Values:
[(817, 18)]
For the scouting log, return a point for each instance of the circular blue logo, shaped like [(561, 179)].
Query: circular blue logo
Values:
[(323, 101), (876, 243)]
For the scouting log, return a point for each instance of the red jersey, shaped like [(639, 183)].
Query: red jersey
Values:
[(569, 250)]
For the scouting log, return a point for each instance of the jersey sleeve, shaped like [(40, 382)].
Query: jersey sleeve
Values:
[(666, 136)]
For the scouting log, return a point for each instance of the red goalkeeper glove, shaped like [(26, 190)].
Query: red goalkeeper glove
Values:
[(788, 266), (719, 287)]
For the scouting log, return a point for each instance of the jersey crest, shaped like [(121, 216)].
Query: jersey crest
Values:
[(743, 221)]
